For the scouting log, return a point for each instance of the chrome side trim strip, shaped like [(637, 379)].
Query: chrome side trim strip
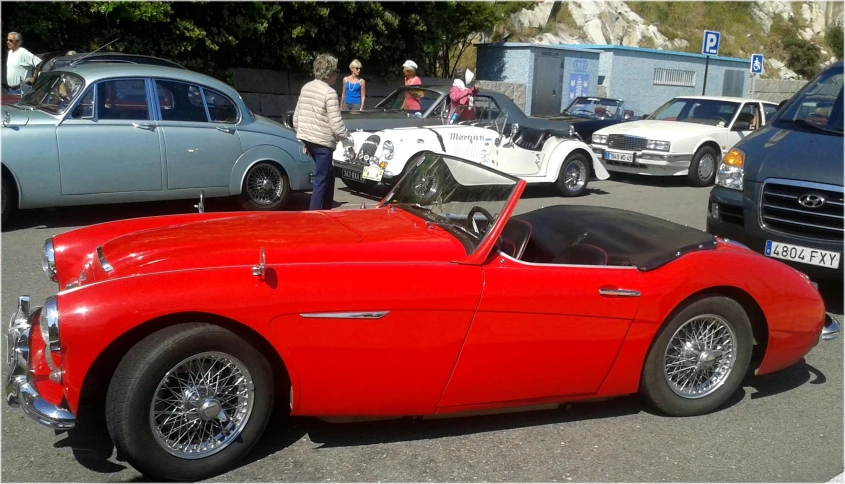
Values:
[(103, 262), (619, 292), (348, 315)]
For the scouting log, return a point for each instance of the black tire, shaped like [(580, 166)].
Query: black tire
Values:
[(9, 199), (135, 383), (703, 168), (654, 382), (266, 187), (360, 186), (577, 166)]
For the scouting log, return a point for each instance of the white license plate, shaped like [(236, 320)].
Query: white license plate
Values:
[(614, 156), (816, 257), (372, 172), (350, 174)]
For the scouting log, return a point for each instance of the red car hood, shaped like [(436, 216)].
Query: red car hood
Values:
[(292, 237)]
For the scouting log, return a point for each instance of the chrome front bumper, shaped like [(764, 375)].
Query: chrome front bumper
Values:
[(830, 331), (19, 388)]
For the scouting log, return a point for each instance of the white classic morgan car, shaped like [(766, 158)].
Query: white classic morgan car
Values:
[(535, 155), (686, 136)]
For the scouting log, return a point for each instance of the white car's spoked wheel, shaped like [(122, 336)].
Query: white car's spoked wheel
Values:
[(189, 401), (699, 357), (702, 170), (266, 187), (573, 177)]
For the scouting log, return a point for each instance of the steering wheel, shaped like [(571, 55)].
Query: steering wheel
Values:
[(470, 222)]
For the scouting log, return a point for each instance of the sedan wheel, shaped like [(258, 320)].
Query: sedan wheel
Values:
[(699, 357), (572, 181), (266, 187), (189, 401), (702, 170)]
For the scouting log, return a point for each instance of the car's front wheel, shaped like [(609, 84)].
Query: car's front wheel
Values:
[(189, 401), (266, 187), (699, 358), (573, 177), (702, 170)]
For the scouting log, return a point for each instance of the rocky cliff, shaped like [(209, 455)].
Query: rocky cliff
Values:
[(618, 23)]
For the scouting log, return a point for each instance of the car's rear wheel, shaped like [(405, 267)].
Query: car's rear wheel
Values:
[(266, 187), (8, 199), (189, 401), (699, 358), (574, 175), (360, 186), (702, 170)]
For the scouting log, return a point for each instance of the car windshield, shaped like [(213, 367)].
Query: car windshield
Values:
[(54, 93), (457, 195), (700, 111), (593, 107), (820, 104), (410, 99)]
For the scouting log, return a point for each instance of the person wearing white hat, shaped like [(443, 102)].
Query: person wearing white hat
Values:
[(461, 107), (412, 101)]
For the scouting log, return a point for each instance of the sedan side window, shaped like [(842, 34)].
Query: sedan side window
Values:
[(220, 108), (179, 101), (85, 108), (122, 99)]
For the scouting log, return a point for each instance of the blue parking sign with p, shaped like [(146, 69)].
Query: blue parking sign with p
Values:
[(756, 63), (710, 43)]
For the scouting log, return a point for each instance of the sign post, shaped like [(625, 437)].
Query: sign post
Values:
[(756, 70), (709, 46)]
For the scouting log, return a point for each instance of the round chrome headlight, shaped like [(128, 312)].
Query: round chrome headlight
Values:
[(49, 326), (48, 260), (387, 150)]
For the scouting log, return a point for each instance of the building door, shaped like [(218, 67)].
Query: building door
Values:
[(548, 79), (734, 83)]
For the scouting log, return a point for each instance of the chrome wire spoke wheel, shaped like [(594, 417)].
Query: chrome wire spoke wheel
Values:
[(700, 356), (425, 186), (575, 175), (706, 166), (264, 184), (201, 405)]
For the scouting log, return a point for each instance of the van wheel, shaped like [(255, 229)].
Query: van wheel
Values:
[(266, 187), (188, 402), (573, 177), (699, 358), (702, 169)]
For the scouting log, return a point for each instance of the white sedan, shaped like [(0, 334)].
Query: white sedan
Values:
[(535, 155), (686, 136)]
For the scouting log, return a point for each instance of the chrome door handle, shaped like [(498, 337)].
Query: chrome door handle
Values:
[(225, 129), (619, 292), (148, 127)]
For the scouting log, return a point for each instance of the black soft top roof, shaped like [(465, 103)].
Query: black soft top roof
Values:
[(629, 238)]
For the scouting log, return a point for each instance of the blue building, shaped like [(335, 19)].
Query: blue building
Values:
[(552, 74), (643, 78)]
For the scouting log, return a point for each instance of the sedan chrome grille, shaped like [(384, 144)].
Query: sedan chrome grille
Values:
[(367, 151), (804, 209), (627, 143)]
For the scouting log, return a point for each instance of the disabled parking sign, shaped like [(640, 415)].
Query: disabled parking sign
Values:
[(710, 43), (756, 63)]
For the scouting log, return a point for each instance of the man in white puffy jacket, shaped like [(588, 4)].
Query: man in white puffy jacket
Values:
[(319, 126)]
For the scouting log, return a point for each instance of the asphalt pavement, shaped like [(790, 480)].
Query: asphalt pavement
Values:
[(784, 427)]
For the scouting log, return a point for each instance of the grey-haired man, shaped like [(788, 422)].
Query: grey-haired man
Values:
[(20, 65)]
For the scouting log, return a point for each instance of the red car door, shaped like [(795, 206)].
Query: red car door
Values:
[(542, 331)]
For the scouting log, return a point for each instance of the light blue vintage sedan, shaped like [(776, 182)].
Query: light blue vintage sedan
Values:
[(112, 133)]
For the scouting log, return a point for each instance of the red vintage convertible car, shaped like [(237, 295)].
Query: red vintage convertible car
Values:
[(437, 301)]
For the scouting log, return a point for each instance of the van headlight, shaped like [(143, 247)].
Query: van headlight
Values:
[(599, 139), (657, 145), (731, 170), (49, 327), (48, 260), (387, 150)]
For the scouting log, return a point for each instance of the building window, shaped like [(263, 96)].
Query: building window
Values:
[(674, 77)]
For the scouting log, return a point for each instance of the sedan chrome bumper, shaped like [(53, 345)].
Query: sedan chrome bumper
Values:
[(830, 330), (19, 388)]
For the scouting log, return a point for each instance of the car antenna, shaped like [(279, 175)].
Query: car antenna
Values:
[(72, 64)]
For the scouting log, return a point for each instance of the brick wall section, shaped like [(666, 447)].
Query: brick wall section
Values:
[(774, 89)]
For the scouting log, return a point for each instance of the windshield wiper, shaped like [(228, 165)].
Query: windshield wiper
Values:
[(824, 129)]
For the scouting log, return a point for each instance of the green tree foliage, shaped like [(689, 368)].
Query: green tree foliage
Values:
[(213, 37), (802, 56), (834, 39)]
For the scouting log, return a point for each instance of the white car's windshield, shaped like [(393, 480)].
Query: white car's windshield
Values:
[(411, 99), (700, 111), (457, 195), (593, 107), (820, 104), (54, 93)]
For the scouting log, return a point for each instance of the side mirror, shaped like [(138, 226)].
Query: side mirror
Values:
[(780, 104), (514, 129), (741, 126)]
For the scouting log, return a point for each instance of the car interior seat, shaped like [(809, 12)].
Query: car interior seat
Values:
[(515, 237), (531, 139)]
